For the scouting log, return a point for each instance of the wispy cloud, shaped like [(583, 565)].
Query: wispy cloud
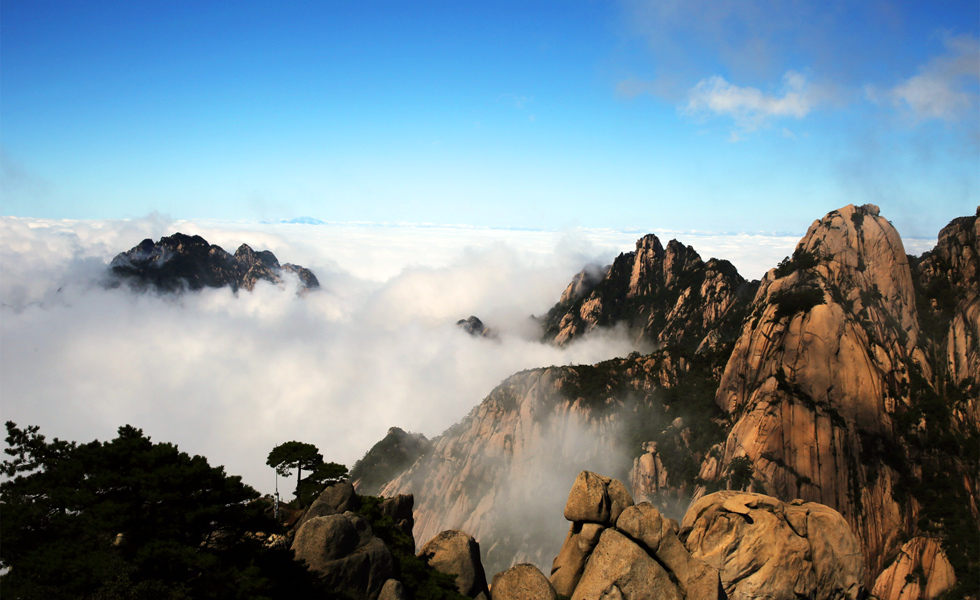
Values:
[(945, 88), (750, 107)]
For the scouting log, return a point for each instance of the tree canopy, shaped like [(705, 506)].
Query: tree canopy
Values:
[(303, 456), (132, 518)]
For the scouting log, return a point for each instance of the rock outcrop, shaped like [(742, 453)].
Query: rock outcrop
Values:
[(180, 262), (456, 553), (344, 553), (847, 378), (475, 327), (489, 474), (522, 582), (833, 396), (663, 296), (617, 549), (387, 459), (763, 548)]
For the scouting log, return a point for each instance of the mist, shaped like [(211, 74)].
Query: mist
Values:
[(230, 376)]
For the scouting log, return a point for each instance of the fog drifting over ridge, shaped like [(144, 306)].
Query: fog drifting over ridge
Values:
[(230, 376)]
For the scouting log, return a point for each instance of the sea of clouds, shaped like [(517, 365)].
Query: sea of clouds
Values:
[(230, 376)]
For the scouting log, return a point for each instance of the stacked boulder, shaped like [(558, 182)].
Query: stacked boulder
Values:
[(618, 549), (732, 545)]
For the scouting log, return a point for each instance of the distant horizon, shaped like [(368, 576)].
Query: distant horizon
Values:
[(715, 116)]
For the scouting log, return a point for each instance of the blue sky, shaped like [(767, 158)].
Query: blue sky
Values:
[(718, 116)]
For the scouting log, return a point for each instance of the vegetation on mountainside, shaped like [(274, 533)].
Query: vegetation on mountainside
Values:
[(130, 518), (387, 459), (421, 581), (300, 455), (800, 261)]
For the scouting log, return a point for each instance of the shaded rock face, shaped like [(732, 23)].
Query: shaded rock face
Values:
[(663, 296), (334, 500), (386, 459), (490, 475), (457, 553), (834, 397), (947, 282), (630, 552), (764, 548), (342, 550), (180, 262)]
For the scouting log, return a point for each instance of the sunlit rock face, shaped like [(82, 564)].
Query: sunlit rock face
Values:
[(180, 262), (663, 296), (849, 379), (834, 391)]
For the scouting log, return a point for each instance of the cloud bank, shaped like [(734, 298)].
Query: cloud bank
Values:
[(231, 376)]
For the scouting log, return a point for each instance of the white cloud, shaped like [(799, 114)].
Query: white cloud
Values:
[(946, 87), (748, 106), (231, 376)]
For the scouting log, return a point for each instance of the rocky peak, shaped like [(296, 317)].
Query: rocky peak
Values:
[(664, 296), (180, 261)]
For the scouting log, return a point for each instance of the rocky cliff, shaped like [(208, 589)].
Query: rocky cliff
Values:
[(847, 377), (833, 397), (181, 262)]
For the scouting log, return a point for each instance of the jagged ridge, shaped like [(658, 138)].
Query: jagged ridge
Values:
[(180, 261)]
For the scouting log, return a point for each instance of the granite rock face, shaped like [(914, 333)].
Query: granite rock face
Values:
[(182, 262), (763, 548), (836, 392)]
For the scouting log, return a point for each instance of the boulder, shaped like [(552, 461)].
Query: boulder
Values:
[(619, 568), (522, 582), (658, 536), (344, 553), (596, 499), (566, 571), (393, 590), (335, 500), (457, 553), (764, 548)]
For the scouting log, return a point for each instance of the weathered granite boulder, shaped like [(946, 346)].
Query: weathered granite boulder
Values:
[(596, 499), (522, 582), (393, 590), (764, 548), (342, 550), (567, 569), (335, 500), (619, 568), (457, 553), (635, 555)]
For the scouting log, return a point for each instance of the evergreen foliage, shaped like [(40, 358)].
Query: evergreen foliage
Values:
[(131, 518)]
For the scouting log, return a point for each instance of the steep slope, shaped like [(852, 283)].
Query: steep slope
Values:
[(834, 399), (664, 296), (181, 262), (493, 473)]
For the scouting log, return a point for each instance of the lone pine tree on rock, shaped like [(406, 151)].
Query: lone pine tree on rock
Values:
[(303, 456)]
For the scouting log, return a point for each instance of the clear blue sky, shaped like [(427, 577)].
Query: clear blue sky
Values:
[(718, 115)]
